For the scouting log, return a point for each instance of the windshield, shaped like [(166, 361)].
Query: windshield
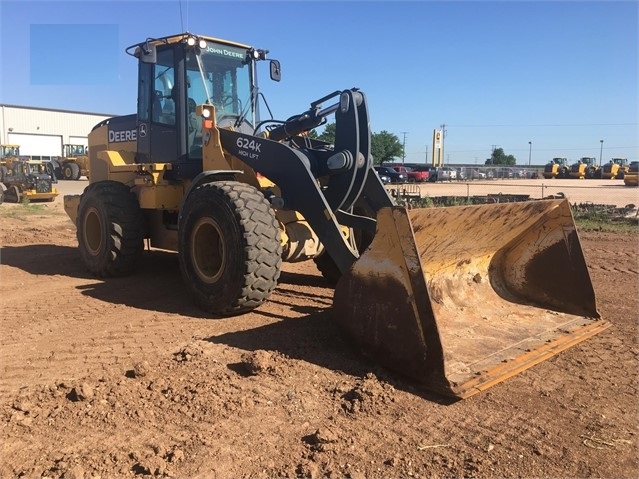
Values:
[(74, 150), (10, 151), (219, 75), (34, 168)]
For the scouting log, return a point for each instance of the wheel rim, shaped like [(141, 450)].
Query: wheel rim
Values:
[(208, 250), (92, 232)]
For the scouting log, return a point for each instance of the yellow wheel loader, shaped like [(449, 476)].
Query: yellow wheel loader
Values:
[(586, 167), (8, 154), (73, 164), (615, 169), (556, 168), (455, 298)]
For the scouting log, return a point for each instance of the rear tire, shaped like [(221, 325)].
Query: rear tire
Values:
[(229, 247), (110, 229)]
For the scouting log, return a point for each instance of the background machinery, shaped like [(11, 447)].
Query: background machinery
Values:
[(8, 154), (29, 179), (631, 178), (73, 164), (586, 167), (556, 168), (471, 295), (615, 168)]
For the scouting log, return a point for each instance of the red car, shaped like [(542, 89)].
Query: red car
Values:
[(413, 175)]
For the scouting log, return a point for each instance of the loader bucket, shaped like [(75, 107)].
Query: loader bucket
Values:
[(461, 298)]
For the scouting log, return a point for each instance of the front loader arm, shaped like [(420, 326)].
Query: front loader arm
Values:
[(346, 173)]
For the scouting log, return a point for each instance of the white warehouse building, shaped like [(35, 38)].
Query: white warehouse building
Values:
[(41, 132)]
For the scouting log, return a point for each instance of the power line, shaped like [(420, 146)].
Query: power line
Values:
[(544, 125)]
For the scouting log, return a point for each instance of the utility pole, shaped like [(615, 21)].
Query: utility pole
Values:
[(404, 147), (443, 128), (426, 153)]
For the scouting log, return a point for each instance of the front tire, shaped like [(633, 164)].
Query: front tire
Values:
[(229, 247), (71, 171), (13, 195), (110, 229)]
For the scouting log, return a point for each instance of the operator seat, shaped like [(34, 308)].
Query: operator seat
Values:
[(157, 106)]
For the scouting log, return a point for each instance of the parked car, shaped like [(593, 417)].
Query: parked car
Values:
[(426, 170), (504, 172), (385, 178), (447, 174), (413, 175), (395, 177), (475, 174)]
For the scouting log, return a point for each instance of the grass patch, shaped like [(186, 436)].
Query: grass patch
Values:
[(24, 210), (605, 220)]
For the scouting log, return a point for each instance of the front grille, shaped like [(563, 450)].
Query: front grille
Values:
[(43, 186)]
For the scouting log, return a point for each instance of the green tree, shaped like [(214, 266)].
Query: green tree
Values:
[(498, 157), (385, 146), (328, 135)]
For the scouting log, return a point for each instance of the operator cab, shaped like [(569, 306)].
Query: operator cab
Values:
[(180, 72)]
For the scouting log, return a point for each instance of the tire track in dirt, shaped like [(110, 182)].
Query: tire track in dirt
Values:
[(77, 324)]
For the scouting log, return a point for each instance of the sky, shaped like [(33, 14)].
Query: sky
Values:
[(538, 79)]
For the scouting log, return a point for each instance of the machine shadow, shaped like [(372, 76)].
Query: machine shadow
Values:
[(44, 259), (316, 338), (158, 275)]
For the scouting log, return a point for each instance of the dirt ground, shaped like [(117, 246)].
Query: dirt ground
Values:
[(125, 377)]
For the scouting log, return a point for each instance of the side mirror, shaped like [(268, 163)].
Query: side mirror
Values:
[(276, 71)]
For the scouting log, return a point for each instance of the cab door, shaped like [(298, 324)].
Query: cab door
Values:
[(156, 123)]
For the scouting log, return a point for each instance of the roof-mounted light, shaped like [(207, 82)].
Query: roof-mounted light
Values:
[(257, 54), (191, 41)]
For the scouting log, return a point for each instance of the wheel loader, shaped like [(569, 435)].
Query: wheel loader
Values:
[(73, 164), (616, 168), (586, 167), (556, 168), (455, 298), (8, 154)]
